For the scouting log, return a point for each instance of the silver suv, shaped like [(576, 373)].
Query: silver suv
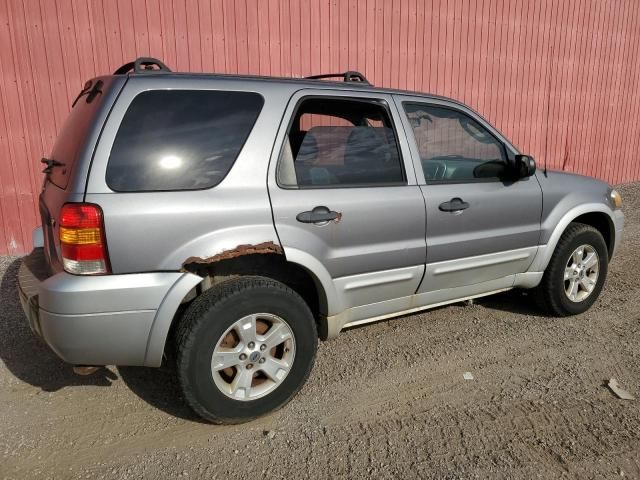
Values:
[(235, 220)]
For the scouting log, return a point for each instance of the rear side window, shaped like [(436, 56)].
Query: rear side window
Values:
[(336, 143), (180, 139)]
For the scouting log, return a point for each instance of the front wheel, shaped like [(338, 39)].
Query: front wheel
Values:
[(245, 348), (576, 272)]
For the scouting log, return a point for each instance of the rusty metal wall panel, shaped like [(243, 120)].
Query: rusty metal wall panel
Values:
[(559, 77)]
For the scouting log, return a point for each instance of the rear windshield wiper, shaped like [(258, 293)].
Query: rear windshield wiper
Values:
[(50, 162), (90, 89)]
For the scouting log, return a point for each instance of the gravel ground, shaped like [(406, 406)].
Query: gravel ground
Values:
[(387, 400)]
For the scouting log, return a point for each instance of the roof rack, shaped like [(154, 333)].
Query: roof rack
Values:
[(350, 76), (143, 65)]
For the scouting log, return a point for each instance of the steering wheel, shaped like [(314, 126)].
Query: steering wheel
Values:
[(434, 170)]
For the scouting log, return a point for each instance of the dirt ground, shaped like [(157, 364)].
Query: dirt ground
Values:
[(387, 400)]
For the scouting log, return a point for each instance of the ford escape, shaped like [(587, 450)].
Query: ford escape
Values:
[(236, 220)]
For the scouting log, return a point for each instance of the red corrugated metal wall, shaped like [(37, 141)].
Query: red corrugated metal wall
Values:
[(559, 77)]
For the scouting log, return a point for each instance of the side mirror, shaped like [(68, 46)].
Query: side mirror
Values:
[(525, 166)]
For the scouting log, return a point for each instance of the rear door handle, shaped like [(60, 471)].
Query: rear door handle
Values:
[(454, 205), (318, 215)]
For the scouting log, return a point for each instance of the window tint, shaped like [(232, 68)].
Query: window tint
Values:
[(454, 147), (180, 140), (340, 143)]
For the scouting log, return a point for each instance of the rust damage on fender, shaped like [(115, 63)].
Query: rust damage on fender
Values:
[(239, 251)]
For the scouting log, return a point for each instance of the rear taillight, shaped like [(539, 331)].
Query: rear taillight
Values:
[(82, 239)]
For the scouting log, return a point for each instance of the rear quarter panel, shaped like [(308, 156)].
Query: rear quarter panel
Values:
[(151, 231)]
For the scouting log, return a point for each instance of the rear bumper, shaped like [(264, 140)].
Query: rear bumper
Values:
[(101, 320)]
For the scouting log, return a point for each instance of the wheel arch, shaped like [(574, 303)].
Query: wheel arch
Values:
[(165, 317), (597, 215), (601, 222), (201, 275), (272, 265)]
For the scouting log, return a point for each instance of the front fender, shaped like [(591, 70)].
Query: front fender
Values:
[(546, 250)]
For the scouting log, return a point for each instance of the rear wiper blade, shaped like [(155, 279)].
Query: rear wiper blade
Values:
[(91, 89), (84, 91), (50, 162)]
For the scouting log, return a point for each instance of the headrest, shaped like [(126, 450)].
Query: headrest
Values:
[(365, 145)]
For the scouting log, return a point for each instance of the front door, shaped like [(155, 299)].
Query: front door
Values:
[(481, 228), (345, 198)]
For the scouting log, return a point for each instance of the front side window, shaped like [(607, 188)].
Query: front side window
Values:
[(453, 147), (340, 143), (180, 139)]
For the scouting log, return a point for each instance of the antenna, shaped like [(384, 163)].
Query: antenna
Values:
[(546, 140)]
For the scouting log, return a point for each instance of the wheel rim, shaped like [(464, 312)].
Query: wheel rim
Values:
[(581, 273), (253, 357)]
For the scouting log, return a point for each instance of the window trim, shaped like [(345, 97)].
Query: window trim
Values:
[(378, 101), (462, 112), (199, 90)]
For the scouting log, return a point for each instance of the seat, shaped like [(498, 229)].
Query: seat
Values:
[(369, 159)]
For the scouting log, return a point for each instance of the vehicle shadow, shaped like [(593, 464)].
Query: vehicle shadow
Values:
[(159, 387), (25, 355), (30, 360), (512, 301)]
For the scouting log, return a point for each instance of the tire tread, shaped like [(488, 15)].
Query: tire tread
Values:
[(544, 294), (195, 315)]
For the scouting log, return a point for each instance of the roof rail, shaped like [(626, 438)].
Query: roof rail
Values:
[(350, 76), (143, 65)]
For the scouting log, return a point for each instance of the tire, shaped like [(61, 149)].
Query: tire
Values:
[(216, 320), (552, 295)]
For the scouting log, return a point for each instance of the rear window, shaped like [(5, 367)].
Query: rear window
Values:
[(180, 139), (75, 131)]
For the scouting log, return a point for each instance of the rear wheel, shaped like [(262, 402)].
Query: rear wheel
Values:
[(245, 348), (576, 272)]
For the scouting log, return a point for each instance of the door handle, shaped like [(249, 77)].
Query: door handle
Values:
[(318, 215), (454, 205)]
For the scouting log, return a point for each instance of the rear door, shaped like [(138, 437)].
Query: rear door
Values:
[(344, 195), (481, 228)]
